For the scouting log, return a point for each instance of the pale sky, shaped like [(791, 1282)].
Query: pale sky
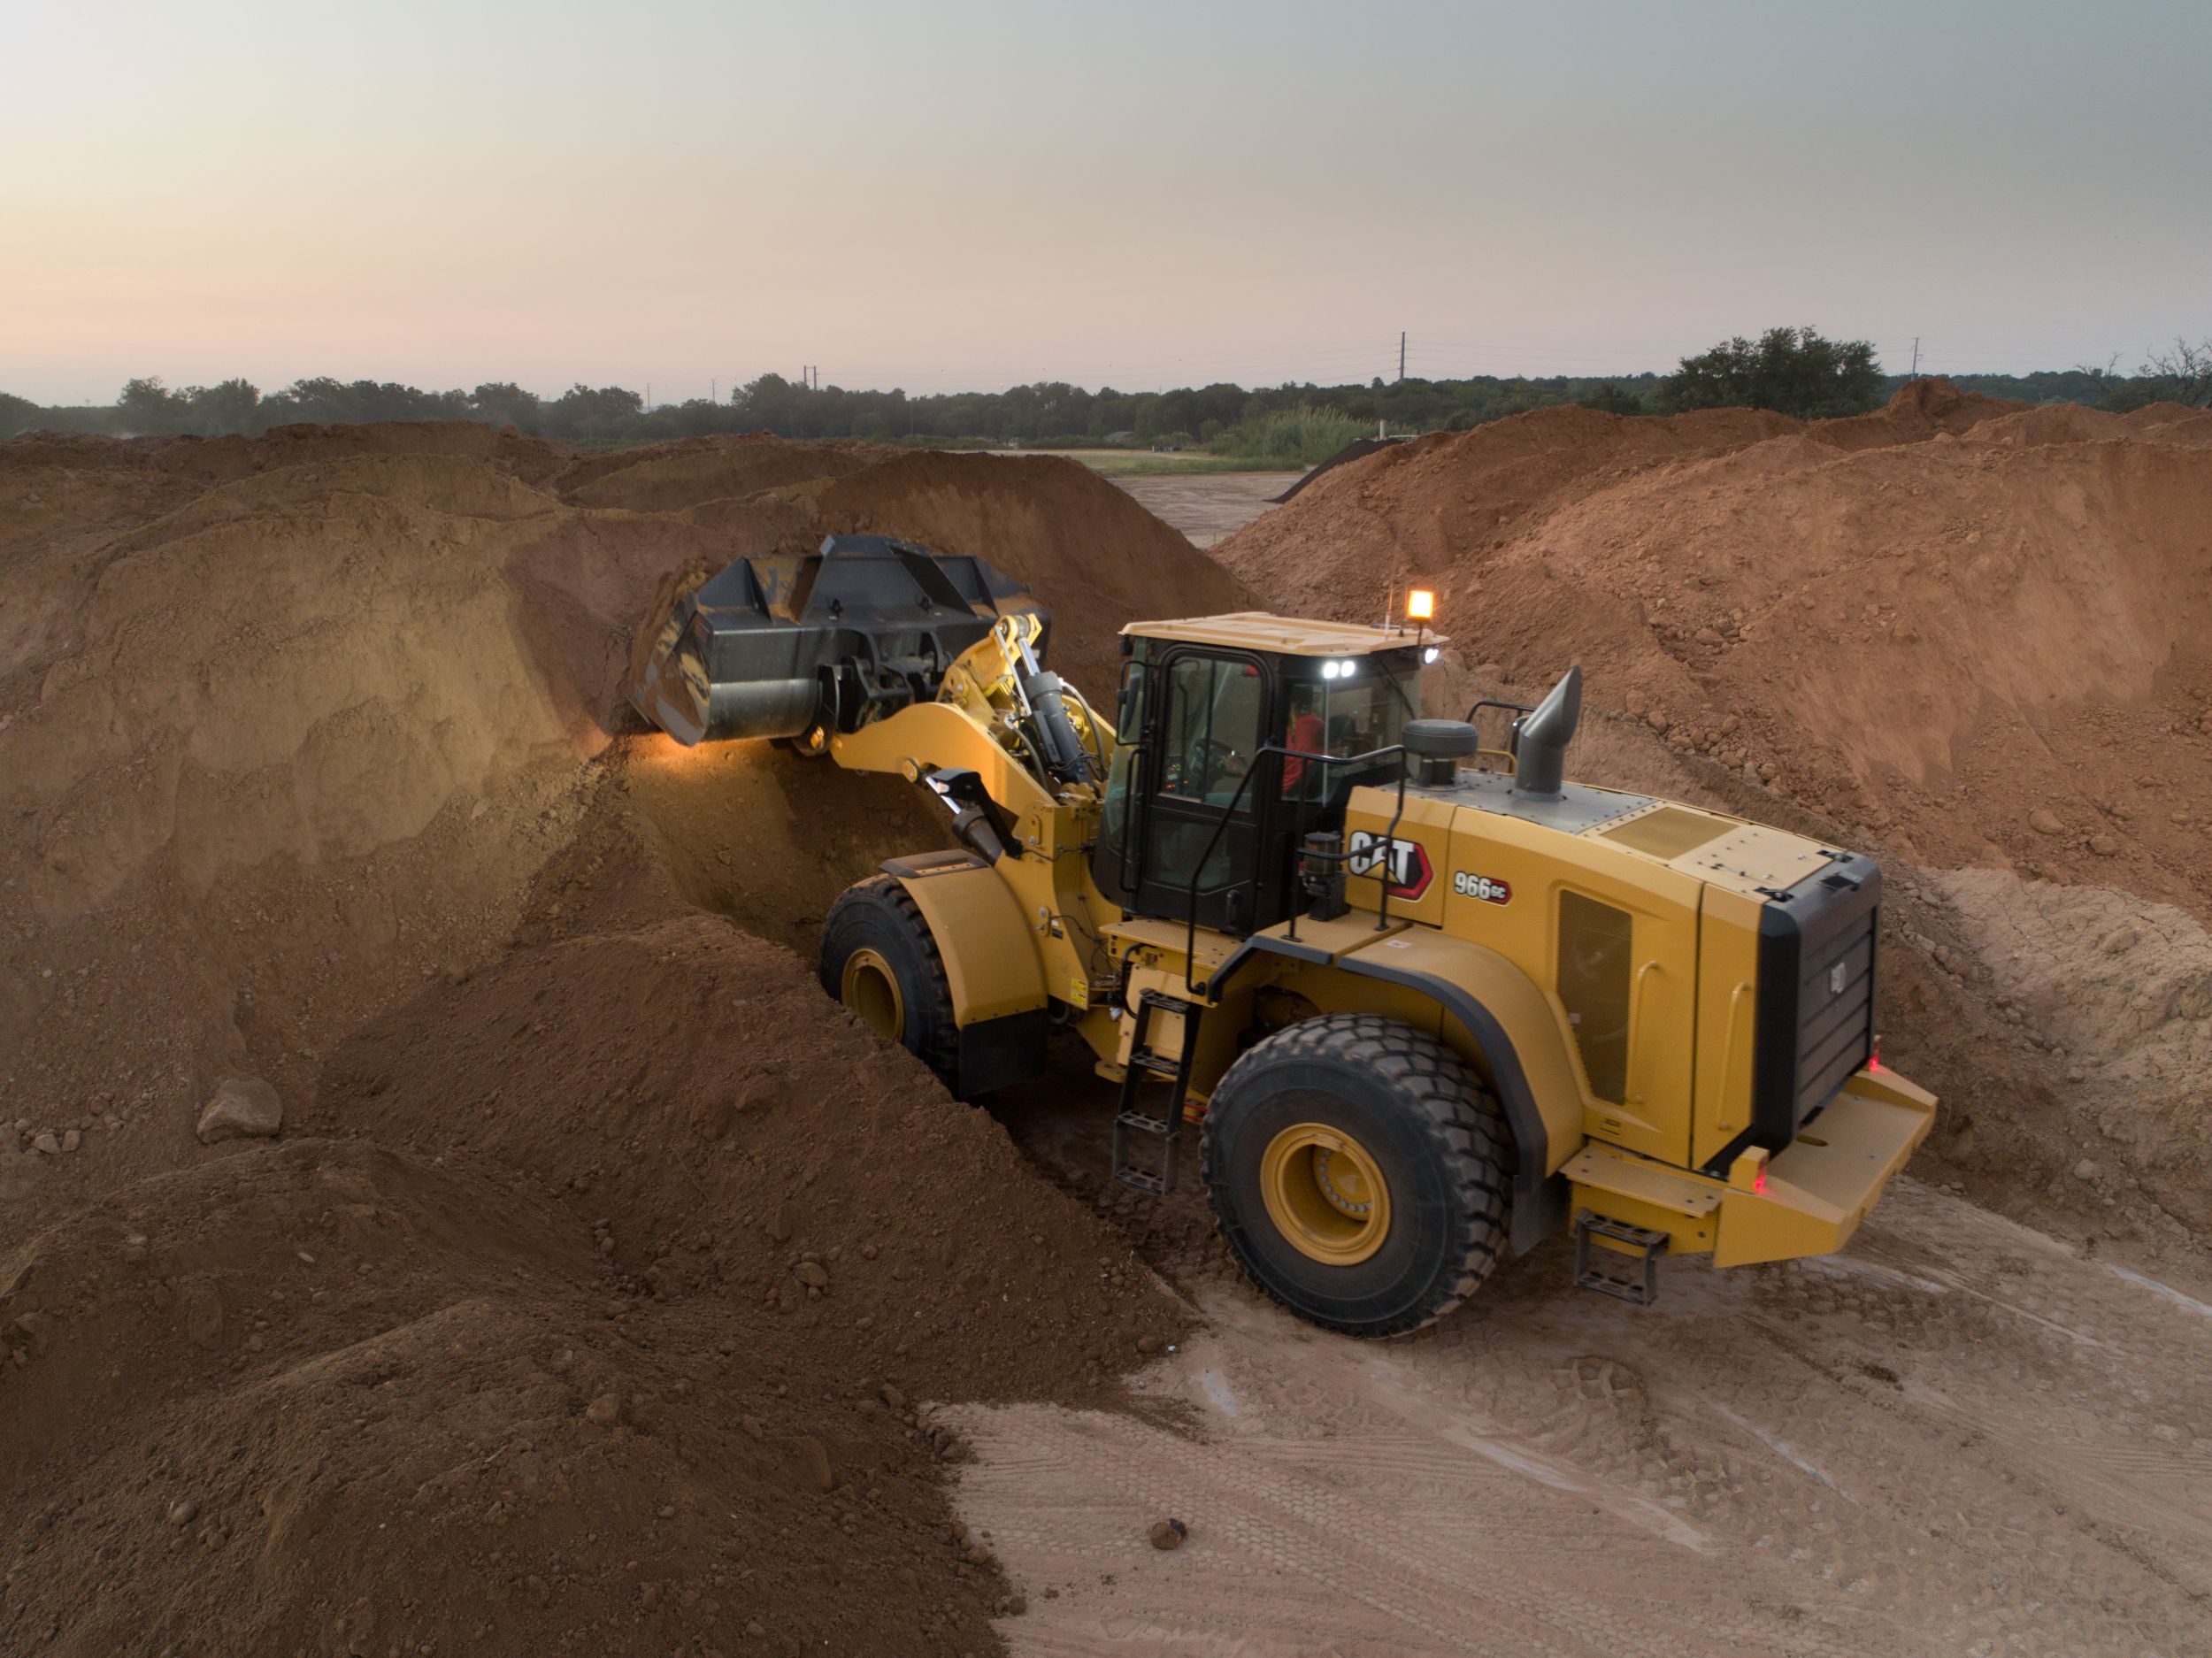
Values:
[(963, 195)]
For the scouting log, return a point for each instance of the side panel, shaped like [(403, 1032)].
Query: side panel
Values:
[(1414, 867), (1503, 886), (1727, 1020), (990, 955)]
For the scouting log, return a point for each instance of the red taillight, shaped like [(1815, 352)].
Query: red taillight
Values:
[(1874, 1057), (1759, 1180)]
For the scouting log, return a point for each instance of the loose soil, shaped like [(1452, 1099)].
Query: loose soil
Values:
[(601, 1290)]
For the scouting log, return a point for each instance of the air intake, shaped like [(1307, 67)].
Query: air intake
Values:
[(1540, 739)]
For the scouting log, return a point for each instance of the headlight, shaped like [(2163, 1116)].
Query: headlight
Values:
[(1430, 654)]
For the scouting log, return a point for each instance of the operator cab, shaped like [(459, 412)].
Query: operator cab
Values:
[(1237, 736)]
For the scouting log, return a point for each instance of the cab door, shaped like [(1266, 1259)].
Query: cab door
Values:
[(1201, 827)]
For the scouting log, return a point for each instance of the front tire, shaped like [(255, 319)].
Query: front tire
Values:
[(880, 961), (1360, 1171)]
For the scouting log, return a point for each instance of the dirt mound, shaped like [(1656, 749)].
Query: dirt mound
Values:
[(634, 1342), (282, 747), (1359, 448), (570, 1296), (669, 476), (222, 459), (1958, 636)]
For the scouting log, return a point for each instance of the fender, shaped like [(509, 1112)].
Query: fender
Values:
[(991, 967), (1490, 1012)]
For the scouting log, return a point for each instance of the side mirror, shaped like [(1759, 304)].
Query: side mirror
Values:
[(1129, 704)]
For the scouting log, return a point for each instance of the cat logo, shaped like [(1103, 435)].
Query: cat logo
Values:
[(1408, 866)]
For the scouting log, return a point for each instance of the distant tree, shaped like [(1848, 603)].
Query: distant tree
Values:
[(233, 405), (2183, 375), (1611, 399), (16, 414), (1792, 371), (582, 412), (147, 406), (504, 404)]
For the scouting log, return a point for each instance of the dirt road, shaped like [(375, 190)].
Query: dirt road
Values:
[(1207, 506), (1961, 1436)]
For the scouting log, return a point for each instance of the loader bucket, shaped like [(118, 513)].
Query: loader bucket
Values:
[(783, 645)]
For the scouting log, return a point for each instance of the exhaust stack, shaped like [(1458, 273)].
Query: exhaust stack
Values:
[(1540, 739)]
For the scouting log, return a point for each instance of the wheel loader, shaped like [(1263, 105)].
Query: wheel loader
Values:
[(1425, 999)]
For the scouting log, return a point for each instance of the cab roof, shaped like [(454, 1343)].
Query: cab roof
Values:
[(1283, 636)]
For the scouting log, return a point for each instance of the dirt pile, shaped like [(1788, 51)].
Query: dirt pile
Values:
[(1962, 633), (592, 1293), (597, 1307), (283, 747)]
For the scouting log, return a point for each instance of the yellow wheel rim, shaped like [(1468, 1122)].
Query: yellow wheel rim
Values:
[(1324, 1194), (870, 989)]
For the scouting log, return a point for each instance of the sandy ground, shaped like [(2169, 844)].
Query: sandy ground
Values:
[(1960, 1436), (1207, 507)]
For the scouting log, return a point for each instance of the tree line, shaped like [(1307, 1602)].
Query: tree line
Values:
[(1794, 370)]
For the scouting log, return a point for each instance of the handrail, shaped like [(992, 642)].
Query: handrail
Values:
[(1390, 835)]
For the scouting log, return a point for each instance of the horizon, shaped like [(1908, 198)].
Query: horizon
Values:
[(942, 203)]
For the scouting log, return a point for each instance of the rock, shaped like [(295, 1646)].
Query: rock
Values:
[(813, 1274), (183, 1511), (244, 1108), (2121, 939), (1148, 1344), (755, 1629), (1729, 724), (2085, 1170), (1657, 719), (606, 1408), (814, 1458), (2104, 845), (1169, 1533), (45, 1142), (2043, 821), (754, 1427), (71, 1140), (893, 1397)]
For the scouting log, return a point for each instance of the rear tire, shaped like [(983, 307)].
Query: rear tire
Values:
[(1360, 1171), (880, 961)]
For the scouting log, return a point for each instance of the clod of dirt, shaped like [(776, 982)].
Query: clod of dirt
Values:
[(244, 1108), (814, 1460), (1169, 1533)]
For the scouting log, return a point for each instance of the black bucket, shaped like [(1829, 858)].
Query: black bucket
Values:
[(788, 644)]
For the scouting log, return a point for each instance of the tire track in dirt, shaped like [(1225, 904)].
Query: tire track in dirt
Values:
[(1960, 1436)]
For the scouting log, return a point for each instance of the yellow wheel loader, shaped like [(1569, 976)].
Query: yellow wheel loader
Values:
[(1426, 999)]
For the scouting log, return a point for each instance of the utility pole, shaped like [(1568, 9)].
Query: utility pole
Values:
[(1916, 357), (1402, 354), (714, 391)]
